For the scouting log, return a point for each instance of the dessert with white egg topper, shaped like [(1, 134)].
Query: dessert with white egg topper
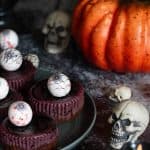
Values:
[(7, 96), (8, 39), (59, 85), (18, 71), (57, 97), (22, 130)]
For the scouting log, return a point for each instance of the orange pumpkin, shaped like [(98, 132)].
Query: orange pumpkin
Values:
[(114, 34)]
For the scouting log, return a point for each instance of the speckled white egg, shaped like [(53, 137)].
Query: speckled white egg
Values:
[(33, 58), (8, 39), (59, 85), (20, 113), (4, 88), (11, 59)]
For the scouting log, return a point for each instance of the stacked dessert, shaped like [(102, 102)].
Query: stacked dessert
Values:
[(7, 96), (15, 70), (18, 129), (21, 130), (55, 99)]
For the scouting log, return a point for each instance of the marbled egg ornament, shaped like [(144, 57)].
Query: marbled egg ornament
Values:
[(20, 113), (4, 88), (8, 39), (59, 85), (11, 59)]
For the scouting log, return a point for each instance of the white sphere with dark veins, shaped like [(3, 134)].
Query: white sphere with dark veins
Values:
[(4, 88), (59, 85), (11, 59), (20, 113), (8, 39), (33, 58)]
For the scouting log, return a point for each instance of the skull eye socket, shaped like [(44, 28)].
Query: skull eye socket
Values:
[(49, 27), (114, 117), (60, 29), (120, 97), (126, 122)]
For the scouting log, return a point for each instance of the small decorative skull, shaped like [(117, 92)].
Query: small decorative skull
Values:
[(33, 58), (57, 33), (120, 93), (129, 120)]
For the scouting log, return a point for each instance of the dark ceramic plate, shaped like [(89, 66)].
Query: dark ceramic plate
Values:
[(74, 131)]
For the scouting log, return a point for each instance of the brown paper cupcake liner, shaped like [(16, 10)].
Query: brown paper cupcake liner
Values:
[(62, 109)]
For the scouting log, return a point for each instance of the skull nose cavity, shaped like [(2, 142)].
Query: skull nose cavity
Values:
[(117, 125), (52, 32), (52, 37)]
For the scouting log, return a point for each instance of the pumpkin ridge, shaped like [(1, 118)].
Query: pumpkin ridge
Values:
[(111, 58), (77, 15), (85, 10), (83, 35), (146, 61), (78, 32), (144, 39), (127, 47), (134, 42), (124, 52), (95, 45), (98, 11)]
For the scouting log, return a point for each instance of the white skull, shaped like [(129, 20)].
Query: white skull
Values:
[(129, 120), (56, 29), (33, 58), (120, 93)]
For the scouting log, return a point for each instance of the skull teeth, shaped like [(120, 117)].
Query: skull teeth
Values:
[(118, 133), (125, 137), (119, 136), (115, 140)]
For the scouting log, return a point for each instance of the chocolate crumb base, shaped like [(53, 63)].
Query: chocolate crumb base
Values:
[(60, 109), (37, 125), (5, 103), (41, 133), (18, 79)]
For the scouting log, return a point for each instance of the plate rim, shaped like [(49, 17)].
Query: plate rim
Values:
[(87, 131), (79, 139)]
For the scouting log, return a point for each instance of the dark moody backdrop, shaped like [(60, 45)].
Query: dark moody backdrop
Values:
[(34, 12)]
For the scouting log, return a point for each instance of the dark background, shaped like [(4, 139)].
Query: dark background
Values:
[(32, 13)]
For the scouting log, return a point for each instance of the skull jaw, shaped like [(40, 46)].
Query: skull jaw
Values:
[(116, 146), (56, 47), (117, 143)]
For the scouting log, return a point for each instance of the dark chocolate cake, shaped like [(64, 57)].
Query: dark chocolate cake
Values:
[(19, 79), (5, 103), (60, 109), (40, 134)]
